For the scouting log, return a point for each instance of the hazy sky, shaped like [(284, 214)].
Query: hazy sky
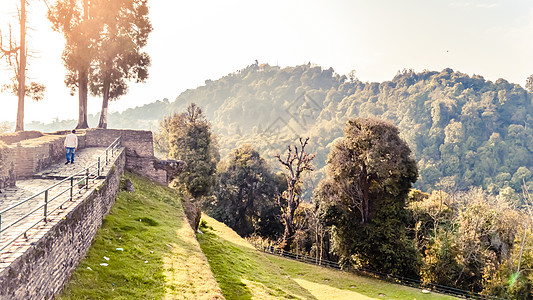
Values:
[(197, 40)]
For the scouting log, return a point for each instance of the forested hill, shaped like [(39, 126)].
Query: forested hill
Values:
[(464, 130)]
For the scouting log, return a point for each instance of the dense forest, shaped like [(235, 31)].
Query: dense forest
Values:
[(463, 130)]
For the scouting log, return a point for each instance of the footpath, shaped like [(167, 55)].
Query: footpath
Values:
[(26, 188)]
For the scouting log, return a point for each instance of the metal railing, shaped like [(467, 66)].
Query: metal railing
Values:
[(384, 276), (79, 181)]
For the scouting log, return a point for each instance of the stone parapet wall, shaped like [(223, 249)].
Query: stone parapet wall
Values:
[(139, 146), (45, 267), (15, 137), (138, 143), (31, 152), (35, 151), (34, 155)]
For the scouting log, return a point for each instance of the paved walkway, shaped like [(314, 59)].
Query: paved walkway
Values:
[(59, 197)]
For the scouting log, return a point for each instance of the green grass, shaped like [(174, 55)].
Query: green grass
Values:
[(321, 282), (161, 258), (245, 273), (240, 270)]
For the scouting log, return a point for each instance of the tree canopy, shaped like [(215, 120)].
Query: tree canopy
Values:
[(190, 139), (362, 199), (74, 19), (246, 194), (119, 57)]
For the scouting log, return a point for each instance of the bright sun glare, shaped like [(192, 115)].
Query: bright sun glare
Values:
[(197, 40)]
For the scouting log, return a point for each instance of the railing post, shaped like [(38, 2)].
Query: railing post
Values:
[(45, 204), (0, 225), (71, 187), (98, 166), (106, 159), (87, 178)]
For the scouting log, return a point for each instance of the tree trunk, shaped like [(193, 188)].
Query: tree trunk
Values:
[(83, 74), (83, 91), (105, 103), (21, 68), (365, 186), (288, 234)]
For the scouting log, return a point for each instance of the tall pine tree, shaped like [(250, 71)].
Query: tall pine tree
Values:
[(74, 19), (119, 57)]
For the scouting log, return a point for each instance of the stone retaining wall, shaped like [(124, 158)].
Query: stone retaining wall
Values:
[(139, 146), (45, 267)]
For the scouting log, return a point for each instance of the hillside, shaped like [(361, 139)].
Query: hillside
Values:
[(243, 273), (145, 249), (463, 130)]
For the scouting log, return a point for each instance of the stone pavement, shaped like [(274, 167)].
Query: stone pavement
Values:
[(82, 159), (59, 197)]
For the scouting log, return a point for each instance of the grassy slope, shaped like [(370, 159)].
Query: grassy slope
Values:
[(161, 257), (244, 273)]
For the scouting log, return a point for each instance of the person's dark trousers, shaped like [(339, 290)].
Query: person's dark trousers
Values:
[(70, 154)]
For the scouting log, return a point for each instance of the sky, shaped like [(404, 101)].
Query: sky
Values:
[(193, 41)]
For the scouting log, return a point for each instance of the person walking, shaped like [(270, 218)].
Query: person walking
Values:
[(71, 143)]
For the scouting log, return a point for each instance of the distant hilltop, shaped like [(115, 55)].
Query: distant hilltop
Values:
[(464, 130)]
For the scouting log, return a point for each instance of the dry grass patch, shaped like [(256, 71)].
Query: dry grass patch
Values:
[(187, 270)]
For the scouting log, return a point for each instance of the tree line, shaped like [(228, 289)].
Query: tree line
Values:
[(103, 51), (364, 213)]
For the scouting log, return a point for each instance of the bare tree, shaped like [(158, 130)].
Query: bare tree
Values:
[(296, 164), (16, 55)]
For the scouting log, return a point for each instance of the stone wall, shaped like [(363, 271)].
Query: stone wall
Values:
[(15, 137), (138, 143), (31, 152), (34, 151), (7, 166), (139, 146), (45, 267), (34, 155)]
